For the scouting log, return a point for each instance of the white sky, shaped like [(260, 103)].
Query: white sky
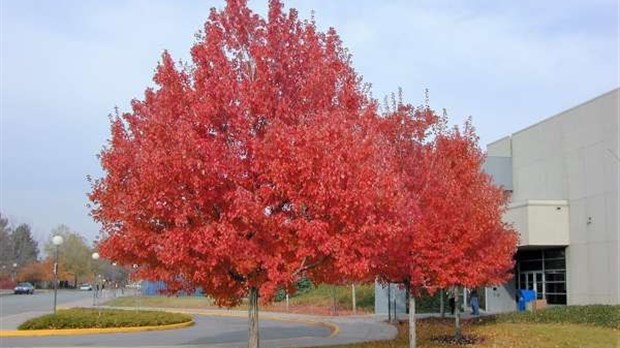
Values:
[(66, 64)]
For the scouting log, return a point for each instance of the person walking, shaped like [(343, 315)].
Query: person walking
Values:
[(474, 302)]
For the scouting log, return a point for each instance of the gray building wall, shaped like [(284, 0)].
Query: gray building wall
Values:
[(381, 298), (501, 298), (574, 156)]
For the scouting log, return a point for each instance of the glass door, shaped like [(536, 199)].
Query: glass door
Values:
[(533, 281)]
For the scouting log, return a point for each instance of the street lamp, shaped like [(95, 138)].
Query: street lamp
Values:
[(14, 273), (135, 267), (57, 241), (95, 257)]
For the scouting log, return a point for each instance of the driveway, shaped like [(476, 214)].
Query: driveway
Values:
[(218, 328)]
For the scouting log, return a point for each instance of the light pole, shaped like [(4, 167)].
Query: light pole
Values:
[(14, 273), (135, 267), (95, 257), (57, 241)]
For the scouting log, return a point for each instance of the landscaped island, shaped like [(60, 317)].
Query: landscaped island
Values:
[(89, 318)]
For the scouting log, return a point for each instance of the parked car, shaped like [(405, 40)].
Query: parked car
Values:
[(86, 287), (24, 288)]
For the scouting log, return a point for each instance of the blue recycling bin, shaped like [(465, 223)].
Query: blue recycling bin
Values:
[(523, 297)]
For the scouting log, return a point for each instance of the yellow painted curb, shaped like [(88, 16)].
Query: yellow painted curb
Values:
[(94, 331)]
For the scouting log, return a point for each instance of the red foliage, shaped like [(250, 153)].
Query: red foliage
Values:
[(259, 163), (459, 237)]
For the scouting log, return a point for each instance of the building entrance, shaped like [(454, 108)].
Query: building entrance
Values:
[(544, 271)]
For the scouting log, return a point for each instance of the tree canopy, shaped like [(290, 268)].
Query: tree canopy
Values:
[(25, 248), (265, 159)]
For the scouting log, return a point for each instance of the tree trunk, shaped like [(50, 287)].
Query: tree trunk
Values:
[(457, 314), (353, 300), (412, 331), (442, 307), (253, 340)]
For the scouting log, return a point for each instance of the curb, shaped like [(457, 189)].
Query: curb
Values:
[(94, 331)]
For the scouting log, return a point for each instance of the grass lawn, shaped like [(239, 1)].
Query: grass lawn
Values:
[(500, 334), (593, 326), (318, 300), (82, 318), (197, 302)]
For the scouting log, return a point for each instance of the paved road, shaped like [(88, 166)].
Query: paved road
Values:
[(15, 309), (212, 328)]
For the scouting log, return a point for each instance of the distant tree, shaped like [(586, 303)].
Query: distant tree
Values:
[(6, 244), (25, 248), (74, 255), (111, 271), (35, 272)]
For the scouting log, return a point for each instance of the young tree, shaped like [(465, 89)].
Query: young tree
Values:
[(25, 248), (480, 246), (458, 237), (74, 256), (256, 165)]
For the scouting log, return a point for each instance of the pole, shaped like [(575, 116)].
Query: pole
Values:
[(389, 302), (395, 316), (95, 290), (287, 301), (334, 298), (353, 298), (55, 278)]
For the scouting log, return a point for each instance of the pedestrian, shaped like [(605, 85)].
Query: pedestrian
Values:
[(474, 302), (451, 301)]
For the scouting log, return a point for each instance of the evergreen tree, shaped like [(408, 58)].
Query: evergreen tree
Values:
[(25, 248)]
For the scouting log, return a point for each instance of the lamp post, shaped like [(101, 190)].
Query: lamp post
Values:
[(57, 241), (135, 267), (14, 273), (95, 257)]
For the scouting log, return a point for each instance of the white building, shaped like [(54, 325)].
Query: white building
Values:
[(563, 176)]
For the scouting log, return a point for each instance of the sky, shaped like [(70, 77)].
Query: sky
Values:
[(65, 65)]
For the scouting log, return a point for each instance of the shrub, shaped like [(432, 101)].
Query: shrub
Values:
[(82, 318)]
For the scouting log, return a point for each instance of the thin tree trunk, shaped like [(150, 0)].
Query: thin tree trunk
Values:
[(412, 328), (253, 340), (442, 307), (457, 314), (354, 301)]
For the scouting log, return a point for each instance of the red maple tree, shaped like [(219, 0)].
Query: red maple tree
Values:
[(458, 238), (256, 164)]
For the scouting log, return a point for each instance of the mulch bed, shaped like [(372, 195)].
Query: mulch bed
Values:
[(452, 340)]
